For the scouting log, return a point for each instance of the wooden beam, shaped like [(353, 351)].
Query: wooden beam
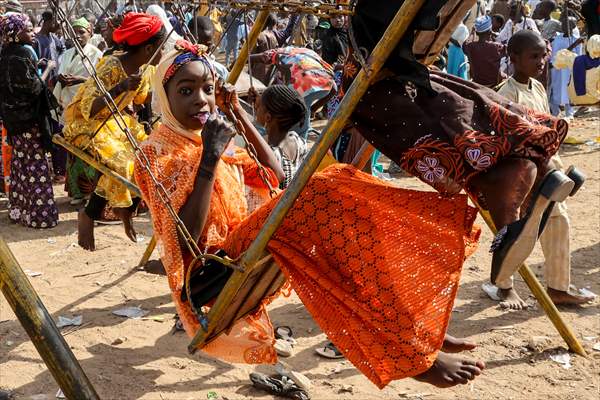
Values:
[(42, 331)]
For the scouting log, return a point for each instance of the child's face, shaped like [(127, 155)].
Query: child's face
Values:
[(263, 117), (83, 35), (530, 62), (191, 94)]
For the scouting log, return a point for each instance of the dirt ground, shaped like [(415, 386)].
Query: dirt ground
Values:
[(152, 362)]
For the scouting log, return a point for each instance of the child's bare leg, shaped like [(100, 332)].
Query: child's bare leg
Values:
[(85, 231), (451, 370), (505, 187), (126, 215)]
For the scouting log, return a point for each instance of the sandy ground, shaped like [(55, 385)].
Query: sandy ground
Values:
[(152, 362)]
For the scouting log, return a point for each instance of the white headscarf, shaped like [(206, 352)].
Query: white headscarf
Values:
[(167, 117), (157, 10)]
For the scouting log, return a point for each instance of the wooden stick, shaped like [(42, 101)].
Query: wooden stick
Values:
[(541, 295), (88, 159), (148, 252), (363, 156), (42, 330), (238, 66)]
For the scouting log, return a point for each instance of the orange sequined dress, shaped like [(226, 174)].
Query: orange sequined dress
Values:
[(377, 266)]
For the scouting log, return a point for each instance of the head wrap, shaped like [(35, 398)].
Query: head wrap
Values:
[(157, 10), (461, 34), (11, 25), (483, 24), (81, 23), (593, 46), (137, 28), (184, 53)]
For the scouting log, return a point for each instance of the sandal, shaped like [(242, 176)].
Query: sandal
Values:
[(278, 385), (283, 348), (578, 177), (285, 333), (515, 242), (329, 351)]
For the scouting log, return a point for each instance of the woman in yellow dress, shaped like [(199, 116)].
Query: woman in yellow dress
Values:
[(90, 126)]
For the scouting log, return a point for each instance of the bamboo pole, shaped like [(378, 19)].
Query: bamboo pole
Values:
[(148, 252), (380, 54), (42, 331), (240, 62), (85, 157), (542, 296)]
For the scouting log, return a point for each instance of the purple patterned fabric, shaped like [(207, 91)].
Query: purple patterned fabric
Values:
[(31, 198), (11, 25)]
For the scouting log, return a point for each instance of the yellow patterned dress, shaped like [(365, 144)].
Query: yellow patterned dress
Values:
[(110, 145)]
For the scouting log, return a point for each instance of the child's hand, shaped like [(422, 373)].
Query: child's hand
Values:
[(132, 82), (226, 97), (252, 95), (216, 135)]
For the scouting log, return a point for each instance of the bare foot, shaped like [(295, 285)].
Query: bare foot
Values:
[(450, 370), (509, 299), (126, 216), (565, 298), (456, 345), (85, 231)]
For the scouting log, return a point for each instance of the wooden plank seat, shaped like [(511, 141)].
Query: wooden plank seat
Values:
[(88, 159), (241, 295)]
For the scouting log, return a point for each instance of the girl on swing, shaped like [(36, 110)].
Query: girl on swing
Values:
[(89, 124), (385, 303)]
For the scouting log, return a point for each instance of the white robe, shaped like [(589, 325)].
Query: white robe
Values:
[(72, 65)]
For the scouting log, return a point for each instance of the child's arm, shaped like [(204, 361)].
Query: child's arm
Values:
[(216, 135), (227, 101)]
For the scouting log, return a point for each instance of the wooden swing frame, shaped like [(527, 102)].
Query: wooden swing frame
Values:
[(259, 276)]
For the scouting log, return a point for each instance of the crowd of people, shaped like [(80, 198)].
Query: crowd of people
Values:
[(488, 118)]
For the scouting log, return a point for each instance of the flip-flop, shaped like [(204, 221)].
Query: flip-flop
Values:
[(578, 177), (515, 242), (278, 385), (329, 351), (285, 333), (283, 348)]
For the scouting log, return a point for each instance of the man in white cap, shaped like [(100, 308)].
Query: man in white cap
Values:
[(485, 54)]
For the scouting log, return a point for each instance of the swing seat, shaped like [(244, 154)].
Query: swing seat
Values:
[(88, 159), (242, 295)]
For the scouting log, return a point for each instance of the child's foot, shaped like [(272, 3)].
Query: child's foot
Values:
[(85, 231), (450, 370), (126, 215), (560, 297), (456, 345), (510, 299)]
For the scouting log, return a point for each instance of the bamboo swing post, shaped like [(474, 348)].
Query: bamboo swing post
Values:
[(542, 296), (42, 331), (240, 62), (255, 252), (148, 252)]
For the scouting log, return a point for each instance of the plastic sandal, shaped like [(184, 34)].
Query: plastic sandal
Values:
[(283, 348), (278, 385), (578, 177), (285, 333), (329, 351), (515, 242)]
